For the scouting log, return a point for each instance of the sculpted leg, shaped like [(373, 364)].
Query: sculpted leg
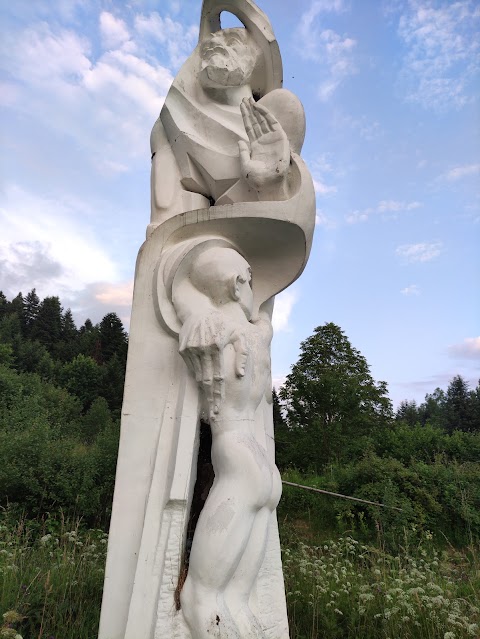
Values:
[(238, 591), (220, 539)]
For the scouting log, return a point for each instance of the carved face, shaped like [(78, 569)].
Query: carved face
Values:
[(228, 59), (244, 293)]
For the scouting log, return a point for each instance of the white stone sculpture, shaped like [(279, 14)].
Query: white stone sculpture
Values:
[(232, 220)]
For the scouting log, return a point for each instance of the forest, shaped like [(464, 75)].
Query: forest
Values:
[(409, 568)]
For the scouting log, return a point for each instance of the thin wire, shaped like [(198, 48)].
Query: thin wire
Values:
[(326, 492)]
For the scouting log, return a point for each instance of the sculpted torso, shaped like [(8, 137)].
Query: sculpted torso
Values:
[(230, 358)]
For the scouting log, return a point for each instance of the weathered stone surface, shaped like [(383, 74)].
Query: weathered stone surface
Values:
[(232, 220)]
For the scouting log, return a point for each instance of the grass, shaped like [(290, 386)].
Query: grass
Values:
[(51, 577), (345, 589)]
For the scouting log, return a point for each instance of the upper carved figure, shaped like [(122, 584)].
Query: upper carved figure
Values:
[(227, 132)]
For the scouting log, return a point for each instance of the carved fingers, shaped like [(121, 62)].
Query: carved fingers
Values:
[(257, 119), (202, 341), (266, 157)]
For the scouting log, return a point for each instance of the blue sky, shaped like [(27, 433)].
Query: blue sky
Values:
[(391, 93)]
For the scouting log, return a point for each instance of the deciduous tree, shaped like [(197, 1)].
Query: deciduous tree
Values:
[(331, 399)]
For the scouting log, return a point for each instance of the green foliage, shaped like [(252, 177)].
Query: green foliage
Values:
[(331, 401), (436, 496), (60, 398), (113, 338), (59, 425), (47, 327), (456, 409), (81, 377)]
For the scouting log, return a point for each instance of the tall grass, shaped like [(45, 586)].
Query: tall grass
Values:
[(348, 590), (51, 578)]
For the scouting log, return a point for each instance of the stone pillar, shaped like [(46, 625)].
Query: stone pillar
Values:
[(194, 549)]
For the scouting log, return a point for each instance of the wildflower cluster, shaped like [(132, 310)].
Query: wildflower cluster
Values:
[(345, 589), (10, 619)]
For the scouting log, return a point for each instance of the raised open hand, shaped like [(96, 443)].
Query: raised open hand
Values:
[(202, 341), (265, 159)]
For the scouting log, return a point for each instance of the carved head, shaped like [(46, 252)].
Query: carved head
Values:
[(228, 58), (224, 276)]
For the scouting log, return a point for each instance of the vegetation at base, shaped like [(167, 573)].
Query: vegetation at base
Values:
[(60, 398), (343, 589), (51, 578)]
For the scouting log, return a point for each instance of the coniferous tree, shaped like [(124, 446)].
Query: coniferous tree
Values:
[(113, 338), (31, 308), (432, 409), (47, 327), (408, 412), (112, 382), (4, 305), (459, 408), (17, 307), (68, 347)]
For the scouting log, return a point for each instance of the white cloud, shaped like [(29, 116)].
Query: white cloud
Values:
[(179, 40), (278, 381), (468, 349), (98, 298), (326, 46), (323, 189), (321, 219), (368, 129), (45, 58), (384, 206), (43, 245), (320, 167), (422, 252), (413, 289), (106, 104), (428, 385), (463, 171), (357, 217), (442, 47), (114, 31), (117, 294), (394, 206), (284, 304)]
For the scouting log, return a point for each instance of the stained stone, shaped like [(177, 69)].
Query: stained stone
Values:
[(194, 550)]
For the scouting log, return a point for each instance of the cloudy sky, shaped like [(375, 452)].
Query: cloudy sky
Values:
[(391, 93)]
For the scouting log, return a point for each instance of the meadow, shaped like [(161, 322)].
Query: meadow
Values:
[(51, 575)]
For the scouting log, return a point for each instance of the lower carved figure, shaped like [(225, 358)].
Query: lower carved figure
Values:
[(229, 354)]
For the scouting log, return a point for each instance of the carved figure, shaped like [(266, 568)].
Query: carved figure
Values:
[(213, 141), (230, 358), (232, 219)]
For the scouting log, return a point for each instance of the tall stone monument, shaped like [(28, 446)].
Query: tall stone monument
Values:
[(194, 550)]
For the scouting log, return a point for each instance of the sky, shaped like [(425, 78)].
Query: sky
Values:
[(391, 91)]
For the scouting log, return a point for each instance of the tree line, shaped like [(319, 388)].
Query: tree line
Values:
[(61, 391), (336, 429)]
